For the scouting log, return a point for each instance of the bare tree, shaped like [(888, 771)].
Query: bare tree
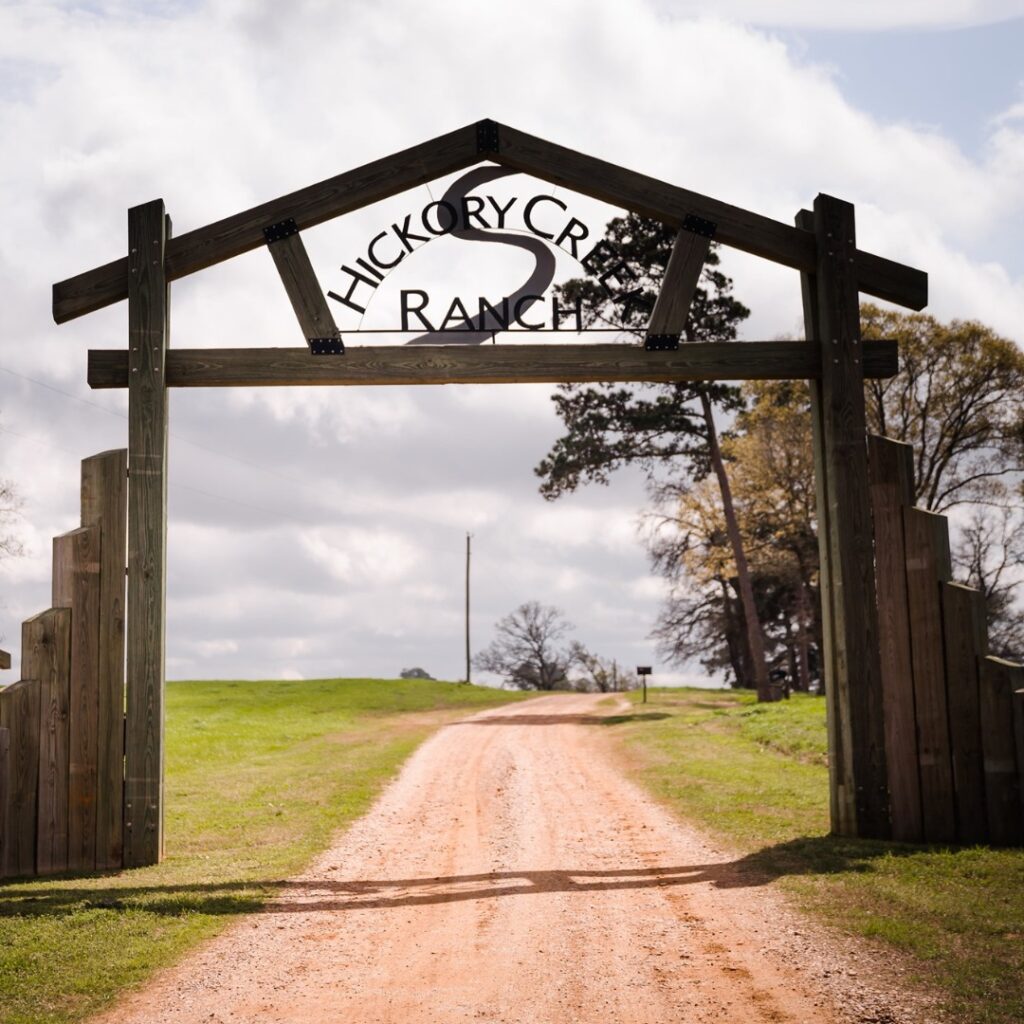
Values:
[(10, 509), (526, 651), (597, 674)]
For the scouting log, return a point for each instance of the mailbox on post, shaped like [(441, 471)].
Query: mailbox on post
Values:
[(643, 671)]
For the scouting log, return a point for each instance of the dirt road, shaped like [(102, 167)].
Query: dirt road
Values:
[(511, 875)]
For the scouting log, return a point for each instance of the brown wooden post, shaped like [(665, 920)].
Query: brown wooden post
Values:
[(966, 643), (999, 681), (891, 466), (148, 228), (105, 505), (76, 585), (19, 714), (854, 691), (928, 566), (46, 656), (5, 788)]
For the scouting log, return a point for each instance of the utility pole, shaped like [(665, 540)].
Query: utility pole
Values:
[(468, 537)]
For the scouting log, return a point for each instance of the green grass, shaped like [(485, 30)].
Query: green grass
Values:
[(259, 775), (757, 776)]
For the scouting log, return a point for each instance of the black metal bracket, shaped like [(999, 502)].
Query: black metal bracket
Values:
[(326, 347), (699, 226), (282, 229), (661, 342), (487, 136)]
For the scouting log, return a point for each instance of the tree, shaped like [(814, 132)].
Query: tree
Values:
[(526, 652), (653, 426), (10, 509), (597, 674)]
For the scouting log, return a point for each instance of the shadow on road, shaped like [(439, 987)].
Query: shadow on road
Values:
[(808, 856), (575, 719)]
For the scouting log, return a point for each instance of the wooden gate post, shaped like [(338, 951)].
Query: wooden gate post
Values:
[(858, 785), (148, 294)]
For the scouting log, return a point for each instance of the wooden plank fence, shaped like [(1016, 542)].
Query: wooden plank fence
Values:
[(62, 725), (954, 715)]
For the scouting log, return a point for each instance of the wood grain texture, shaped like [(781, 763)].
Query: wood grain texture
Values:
[(484, 364), (891, 473), (147, 535), (857, 693), (19, 714), (46, 657), (999, 681), (964, 637), (928, 565), (5, 786), (76, 586), (105, 505), (1018, 730), (242, 232), (679, 285), (5, 659), (303, 289), (841, 809)]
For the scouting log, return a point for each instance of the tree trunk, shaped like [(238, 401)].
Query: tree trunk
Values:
[(755, 638)]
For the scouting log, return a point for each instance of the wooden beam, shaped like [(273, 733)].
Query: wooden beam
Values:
[(5, 788), (46, 657), (928, 565), (1003, 775), (965, 641), (741, 229), (856, 693), (147, 534), (105, 505), (486, 364), (380, 179), (299, 280), (243, 232), (19, 714), (76, 586), (679, 285), (5, 659), (891, 469)]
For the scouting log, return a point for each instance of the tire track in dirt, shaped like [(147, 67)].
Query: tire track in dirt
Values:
[(511, 875)]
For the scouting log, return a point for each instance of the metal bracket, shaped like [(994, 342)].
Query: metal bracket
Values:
[(487, 136), (699, 226), (282, 229), (326, 347), (661, 342)]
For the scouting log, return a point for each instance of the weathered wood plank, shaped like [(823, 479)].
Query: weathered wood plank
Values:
[(242, 232), (891, 469), (928, 565), (19, 714), (302, 287), (1018, 729), (105, 505), (857, 693), (837, 731), (46, 656), (76, 586), (147, 535), (999, 681), (738, 228), (964, 636), (679, 285), (485, 364), (5, 788), (5, 659)]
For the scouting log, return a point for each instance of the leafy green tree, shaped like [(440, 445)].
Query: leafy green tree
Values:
[(668, 430)]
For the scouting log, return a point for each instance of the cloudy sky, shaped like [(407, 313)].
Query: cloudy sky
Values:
[(321, 532)]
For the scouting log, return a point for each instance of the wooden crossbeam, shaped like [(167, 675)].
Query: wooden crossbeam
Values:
[(487, 364), (5, 659), (299, 279), (242, 232), (679, 285)]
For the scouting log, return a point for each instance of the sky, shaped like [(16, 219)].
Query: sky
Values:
[(321, 532)]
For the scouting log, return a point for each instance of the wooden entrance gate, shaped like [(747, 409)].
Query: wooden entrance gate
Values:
[(821, 246)]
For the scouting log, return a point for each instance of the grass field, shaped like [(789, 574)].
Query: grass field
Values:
[(756, 775), (259, 775)]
